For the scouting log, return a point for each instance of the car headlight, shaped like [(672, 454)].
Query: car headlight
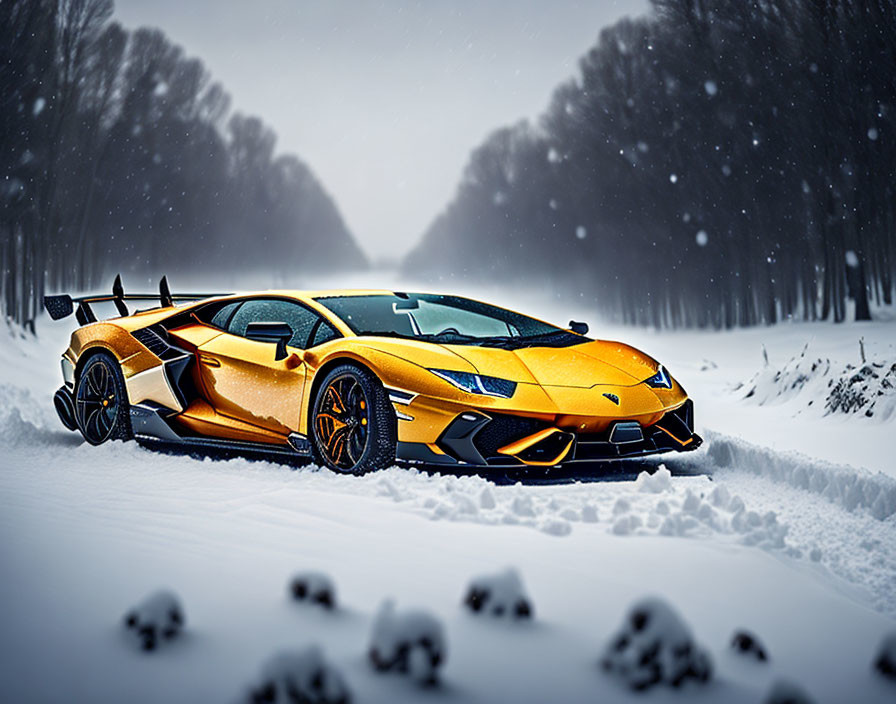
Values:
[(660, 380), (477, 383)]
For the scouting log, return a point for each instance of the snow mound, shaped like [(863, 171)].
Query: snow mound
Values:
[(500, 595), (868, 390), (409, 642), (846, 486), (27, 422), (300, 676), (746, 644), (784, 692), (885, 663), (626, 524), (313, 588), (654, 647), (656, 483), (159, 617)]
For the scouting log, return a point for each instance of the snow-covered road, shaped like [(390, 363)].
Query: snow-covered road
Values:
[(799, 548)]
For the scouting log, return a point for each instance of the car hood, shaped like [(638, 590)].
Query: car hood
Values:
[(583, 366)]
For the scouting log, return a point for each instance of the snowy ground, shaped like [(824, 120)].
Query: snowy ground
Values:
[(785, 524)]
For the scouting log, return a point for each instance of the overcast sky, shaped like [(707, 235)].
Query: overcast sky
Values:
[(385, 100)]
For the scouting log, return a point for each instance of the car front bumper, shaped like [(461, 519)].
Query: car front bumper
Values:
[(487, 439)]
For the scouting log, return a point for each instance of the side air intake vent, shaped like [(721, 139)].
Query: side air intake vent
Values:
[(154, 339)]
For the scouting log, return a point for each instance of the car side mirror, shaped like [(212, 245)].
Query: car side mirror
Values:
[(278, 333), (578, 328)]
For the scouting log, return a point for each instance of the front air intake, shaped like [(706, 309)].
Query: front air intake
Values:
[(625, 432)]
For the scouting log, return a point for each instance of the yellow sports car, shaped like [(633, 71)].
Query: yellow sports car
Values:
[(357, 380)]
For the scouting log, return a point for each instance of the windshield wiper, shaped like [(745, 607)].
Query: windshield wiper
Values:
[(433, 337), (501, 341), (550, 339)]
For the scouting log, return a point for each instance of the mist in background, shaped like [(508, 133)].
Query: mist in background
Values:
[(705, 163), (385, 100), (715, 163)]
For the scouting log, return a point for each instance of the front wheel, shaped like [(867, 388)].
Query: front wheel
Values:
[(102, 410), (353, 423)]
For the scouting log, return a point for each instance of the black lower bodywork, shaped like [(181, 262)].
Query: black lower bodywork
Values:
[(473, 439), (151, 425)]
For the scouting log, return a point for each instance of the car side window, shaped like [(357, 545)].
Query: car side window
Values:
[(222, 317), (275, 310), (324, 333)]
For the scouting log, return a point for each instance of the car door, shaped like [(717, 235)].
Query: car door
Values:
[(242, 378)]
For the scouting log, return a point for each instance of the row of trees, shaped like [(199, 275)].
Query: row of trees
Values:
[(117, 152), (717, 163)]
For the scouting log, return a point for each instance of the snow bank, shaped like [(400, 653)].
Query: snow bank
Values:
[(27, 422), (654, 647), (848, 487), (300, 676), (500, 595), (313, 588), (410, 642), (158, 618), (868, 390)]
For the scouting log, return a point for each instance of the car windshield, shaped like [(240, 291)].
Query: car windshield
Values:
[(445, 319)]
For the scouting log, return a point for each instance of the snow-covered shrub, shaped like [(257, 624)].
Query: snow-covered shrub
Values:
[(868, 390), (303, 677), (157, 618), (745, 643), (500, 595), (885, 663), (409, 642), (654, 647), (313, 588), (783, 692)]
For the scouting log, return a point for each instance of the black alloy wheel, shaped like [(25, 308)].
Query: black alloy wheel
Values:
[(101, 404), (354, 424)]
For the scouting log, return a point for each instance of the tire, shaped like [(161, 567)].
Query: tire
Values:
[(353, 424), (102, 410)]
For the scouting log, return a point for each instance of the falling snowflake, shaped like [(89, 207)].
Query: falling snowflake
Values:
[(702, 238), (710, 87), (873, 133), (581, 232), (673, 178)]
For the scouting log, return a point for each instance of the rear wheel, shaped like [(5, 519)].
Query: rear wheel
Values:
[(101, 401), (353, 423)]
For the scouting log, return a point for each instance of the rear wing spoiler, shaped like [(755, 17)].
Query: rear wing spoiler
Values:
[(62, 306)]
